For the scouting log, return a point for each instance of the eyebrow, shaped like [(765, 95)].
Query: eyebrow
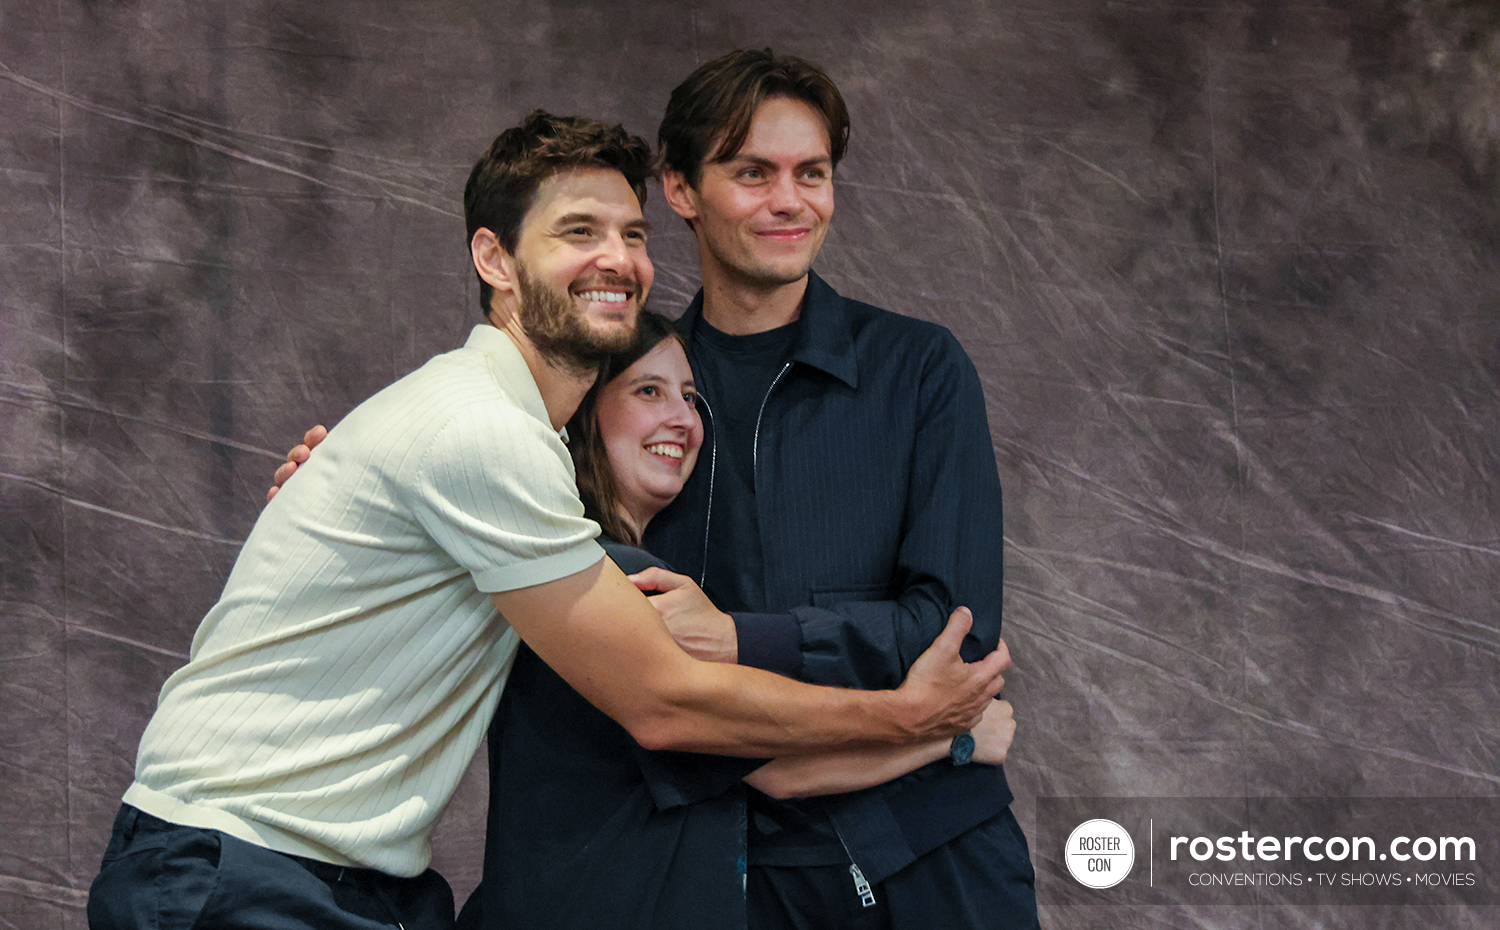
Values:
[(571, 219), (644, 379), (761, 162)]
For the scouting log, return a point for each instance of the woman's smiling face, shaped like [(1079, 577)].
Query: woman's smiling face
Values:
[(649, 423)]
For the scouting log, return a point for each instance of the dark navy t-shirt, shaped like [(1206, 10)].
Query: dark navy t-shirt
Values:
[(734, 373)]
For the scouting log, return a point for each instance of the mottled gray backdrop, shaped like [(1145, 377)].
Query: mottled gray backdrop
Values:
[(1230, 270)]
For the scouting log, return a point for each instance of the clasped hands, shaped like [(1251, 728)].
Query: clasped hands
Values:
[(954, 695)]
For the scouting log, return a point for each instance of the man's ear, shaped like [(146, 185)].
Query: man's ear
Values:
[(680, 194), (496, 267)]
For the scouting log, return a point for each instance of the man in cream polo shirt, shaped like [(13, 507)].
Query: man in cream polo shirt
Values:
[(294, 768)]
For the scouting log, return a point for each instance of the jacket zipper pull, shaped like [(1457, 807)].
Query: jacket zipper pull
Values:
[(862, 887)]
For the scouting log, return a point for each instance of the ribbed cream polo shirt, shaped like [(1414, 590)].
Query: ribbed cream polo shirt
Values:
[(339, 688)]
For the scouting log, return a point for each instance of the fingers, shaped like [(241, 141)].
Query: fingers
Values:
[(955, 693), (997, 662), (989, 672), (989, 720), (1004, 649), (297, 455), (646, 580), (974, 721), (999, 713), (953, 634), (311, 438), (980, 689), (994, 734), (659, 579), (278, 479), (287, 469), (982, 692)]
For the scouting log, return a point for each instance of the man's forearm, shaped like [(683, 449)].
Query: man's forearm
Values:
[(834, 771), (733, 710), (597, 631), (842, 770)]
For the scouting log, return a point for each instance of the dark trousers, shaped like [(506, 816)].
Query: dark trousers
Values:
[(162, 876), (981, 880)]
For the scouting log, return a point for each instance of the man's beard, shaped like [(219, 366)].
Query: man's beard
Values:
[(559, 332)]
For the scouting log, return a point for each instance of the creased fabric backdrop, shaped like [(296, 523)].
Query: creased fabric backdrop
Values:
[(1230, 271)]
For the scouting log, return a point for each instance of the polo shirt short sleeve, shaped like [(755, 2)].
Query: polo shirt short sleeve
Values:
[(511, 519)]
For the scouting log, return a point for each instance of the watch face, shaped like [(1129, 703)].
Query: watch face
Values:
[(962, 750)]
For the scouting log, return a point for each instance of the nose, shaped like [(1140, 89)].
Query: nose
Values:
[(680, 413), (614, 255), (786, 200), (623, 257), (683, 416)]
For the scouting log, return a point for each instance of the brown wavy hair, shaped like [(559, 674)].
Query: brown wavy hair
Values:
[(503, 183), (708, 116), (597, 486)]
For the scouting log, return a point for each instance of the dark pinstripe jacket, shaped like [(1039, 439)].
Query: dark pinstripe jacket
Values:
[(879, 508)]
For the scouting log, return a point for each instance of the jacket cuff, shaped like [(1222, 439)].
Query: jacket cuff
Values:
[(769, 641)]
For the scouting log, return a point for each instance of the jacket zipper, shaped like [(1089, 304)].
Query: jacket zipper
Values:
[(755, 443), (713, 461), (708, 514), (861, 885)]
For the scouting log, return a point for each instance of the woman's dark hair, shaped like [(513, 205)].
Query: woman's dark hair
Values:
[(596, 477)]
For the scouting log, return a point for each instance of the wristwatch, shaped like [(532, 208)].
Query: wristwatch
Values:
[(962, 750)]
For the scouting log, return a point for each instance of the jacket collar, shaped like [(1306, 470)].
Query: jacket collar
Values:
[(826, 340)]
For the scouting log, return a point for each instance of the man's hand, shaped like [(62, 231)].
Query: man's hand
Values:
[(296, 457), (943, 695), (993, 736), (704, 631)]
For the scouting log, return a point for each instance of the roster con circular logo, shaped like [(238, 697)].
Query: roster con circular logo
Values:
[(1099, 853)]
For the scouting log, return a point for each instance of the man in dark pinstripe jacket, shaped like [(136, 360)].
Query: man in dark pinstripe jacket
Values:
[(846, 501)]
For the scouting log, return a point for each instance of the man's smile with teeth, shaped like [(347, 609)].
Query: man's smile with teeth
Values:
[(670, 450), (611, 297)]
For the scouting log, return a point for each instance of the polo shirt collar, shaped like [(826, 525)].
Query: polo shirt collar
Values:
[(508, 367), (825, 340)]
